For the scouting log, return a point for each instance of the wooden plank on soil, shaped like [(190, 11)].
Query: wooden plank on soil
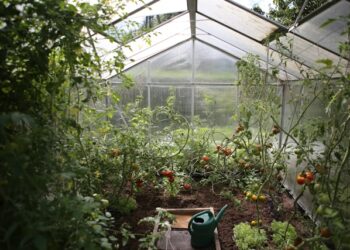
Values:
[(179, 236)]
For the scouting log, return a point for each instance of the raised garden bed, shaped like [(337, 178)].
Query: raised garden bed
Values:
[(148, 199)]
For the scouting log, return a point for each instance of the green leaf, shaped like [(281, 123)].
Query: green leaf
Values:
[(328, 22), (327, 62)]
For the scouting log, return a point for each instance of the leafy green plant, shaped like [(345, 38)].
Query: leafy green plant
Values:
[(247, 237), (227, 194), (163, 221), (125, 205), (283, 234), (51, 89), (126, 234)]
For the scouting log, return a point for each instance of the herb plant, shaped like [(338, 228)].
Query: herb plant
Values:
[(247, 237)]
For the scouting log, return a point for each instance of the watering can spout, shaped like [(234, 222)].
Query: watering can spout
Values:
[(220, 214)]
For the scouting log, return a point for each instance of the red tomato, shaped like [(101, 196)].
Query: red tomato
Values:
[(300, 179), (171, 178), (187, 186), (309, 176), (167, 173), (205, 158), (139, 183), (254, 197)]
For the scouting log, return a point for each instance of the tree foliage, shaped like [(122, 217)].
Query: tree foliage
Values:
[(287, 11)]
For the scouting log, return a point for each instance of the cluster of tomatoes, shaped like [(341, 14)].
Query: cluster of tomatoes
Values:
[(305, 178), (169, 174), (171, 177), (222, 150), (254, 197)]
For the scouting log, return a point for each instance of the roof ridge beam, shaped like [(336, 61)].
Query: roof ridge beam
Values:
[(192, 9)]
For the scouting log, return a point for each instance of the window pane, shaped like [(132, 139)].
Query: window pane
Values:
[(173, 65), (237, 18), (330, 35), (215, 105), (212, 65)]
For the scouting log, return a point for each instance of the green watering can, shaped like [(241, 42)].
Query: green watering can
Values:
[(202, 226)]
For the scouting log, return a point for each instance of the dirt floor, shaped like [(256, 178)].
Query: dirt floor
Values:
[(149, 199)]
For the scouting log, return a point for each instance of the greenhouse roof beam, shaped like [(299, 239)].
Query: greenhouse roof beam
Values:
[(239, 31), (192, 9)]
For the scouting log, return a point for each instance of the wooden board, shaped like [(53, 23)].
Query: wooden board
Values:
[(180, 238)]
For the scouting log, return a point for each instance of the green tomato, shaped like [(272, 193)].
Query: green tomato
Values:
[(323, 198)]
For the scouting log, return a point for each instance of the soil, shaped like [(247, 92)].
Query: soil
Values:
[(149, 199)]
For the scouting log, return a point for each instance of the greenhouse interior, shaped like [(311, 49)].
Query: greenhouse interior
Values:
[(162, 124)]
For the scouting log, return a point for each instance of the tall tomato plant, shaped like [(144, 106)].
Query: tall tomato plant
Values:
[(47, 198)]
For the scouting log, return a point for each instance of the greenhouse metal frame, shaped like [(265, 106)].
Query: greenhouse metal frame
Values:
[(232, 31), (235, 31)]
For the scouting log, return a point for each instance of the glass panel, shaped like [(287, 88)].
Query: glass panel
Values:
[(292, 104), (128, 96), (104, 45), (173, 65), (125, 7), (215, 106), (163, 7), (183, 95), (243, 45), (158, 40), (242, 42), (237, 18), (298, 97), (330, 35), (227, 47), (307, 52), (212, 65), (138, 73), (130, 6), (147, 18)]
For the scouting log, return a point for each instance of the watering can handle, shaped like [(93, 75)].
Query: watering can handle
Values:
[(193, 217)]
